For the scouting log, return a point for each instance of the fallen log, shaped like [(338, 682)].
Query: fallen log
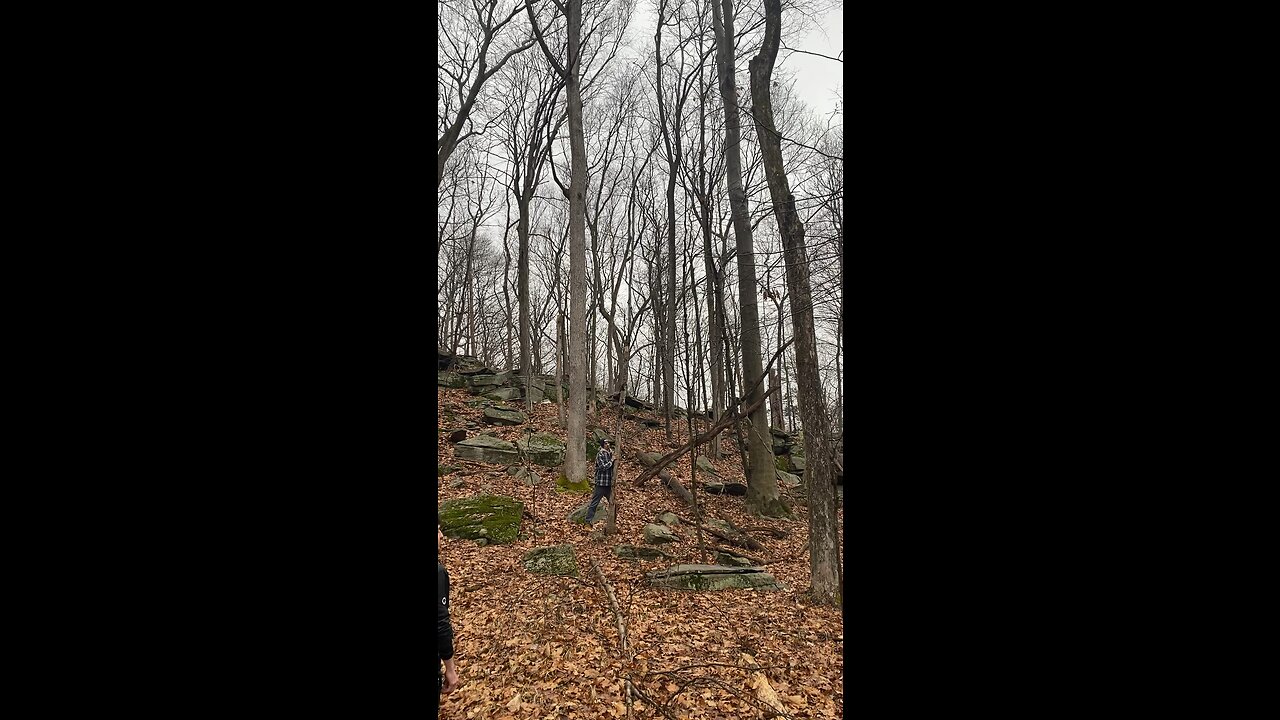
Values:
[(779, 534), (674, 486)]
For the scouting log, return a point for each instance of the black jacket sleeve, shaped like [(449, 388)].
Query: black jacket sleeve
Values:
[(444, 629)]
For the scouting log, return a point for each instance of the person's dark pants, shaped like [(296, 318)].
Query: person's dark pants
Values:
[(601, 492)]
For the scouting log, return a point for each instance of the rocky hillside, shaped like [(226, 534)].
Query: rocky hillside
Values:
[(722, 633)]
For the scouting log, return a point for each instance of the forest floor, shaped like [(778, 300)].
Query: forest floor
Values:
[(546, 647)]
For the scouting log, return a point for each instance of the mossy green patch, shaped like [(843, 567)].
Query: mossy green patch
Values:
[(564, 485), (494, 518)]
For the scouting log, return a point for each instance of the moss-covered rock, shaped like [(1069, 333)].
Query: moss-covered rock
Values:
[(442, 470), (493, 518), (582, 487), (553, 560), (542, 448), (782, 463)]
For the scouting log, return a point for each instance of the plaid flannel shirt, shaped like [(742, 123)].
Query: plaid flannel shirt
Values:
[(604, 468)]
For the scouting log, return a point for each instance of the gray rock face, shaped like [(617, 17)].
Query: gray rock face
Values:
[(704, 465), (486, 383), (788, 480), (503, 394), (450, 379), (712, 577), (499, 416), (649, 458), (487, 449), (668, 518), (526, 477), (639, 552), (797, 462), (579, 515), (723, 558), (542, 448), (552, 560), (658, 534)]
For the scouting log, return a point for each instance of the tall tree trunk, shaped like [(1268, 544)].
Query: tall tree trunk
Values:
[(576, 452), (522, 291), (762, 485), (824, 537), (775, 402)]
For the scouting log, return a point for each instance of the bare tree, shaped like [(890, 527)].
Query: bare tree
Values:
[(824, 539), (468, 32), (762, 485)]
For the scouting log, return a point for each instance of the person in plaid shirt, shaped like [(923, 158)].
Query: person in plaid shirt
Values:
[(604, 478)]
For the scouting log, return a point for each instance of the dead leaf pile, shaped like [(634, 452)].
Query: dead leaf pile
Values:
[(547, 648)]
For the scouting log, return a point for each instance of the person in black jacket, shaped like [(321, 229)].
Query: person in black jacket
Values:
[(444, 629)]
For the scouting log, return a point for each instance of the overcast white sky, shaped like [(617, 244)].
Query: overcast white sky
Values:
[(816, 78)]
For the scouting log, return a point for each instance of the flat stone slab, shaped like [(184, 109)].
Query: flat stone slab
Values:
[(551, 560), (712, 577), (797, 462), (503, 394), (498, 416), (485, 383), (483, 518), (487, 449)]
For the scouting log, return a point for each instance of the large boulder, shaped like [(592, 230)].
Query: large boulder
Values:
[(797, 462), (553, 560), (712, 577), (704, 465), (487, 449), (658, 534), (500, 416), (579, 515), (487, 518), (787, 480), (724, 558), (668, 518), (649, 458), (448, 378), (639, 552), (542, 448)]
